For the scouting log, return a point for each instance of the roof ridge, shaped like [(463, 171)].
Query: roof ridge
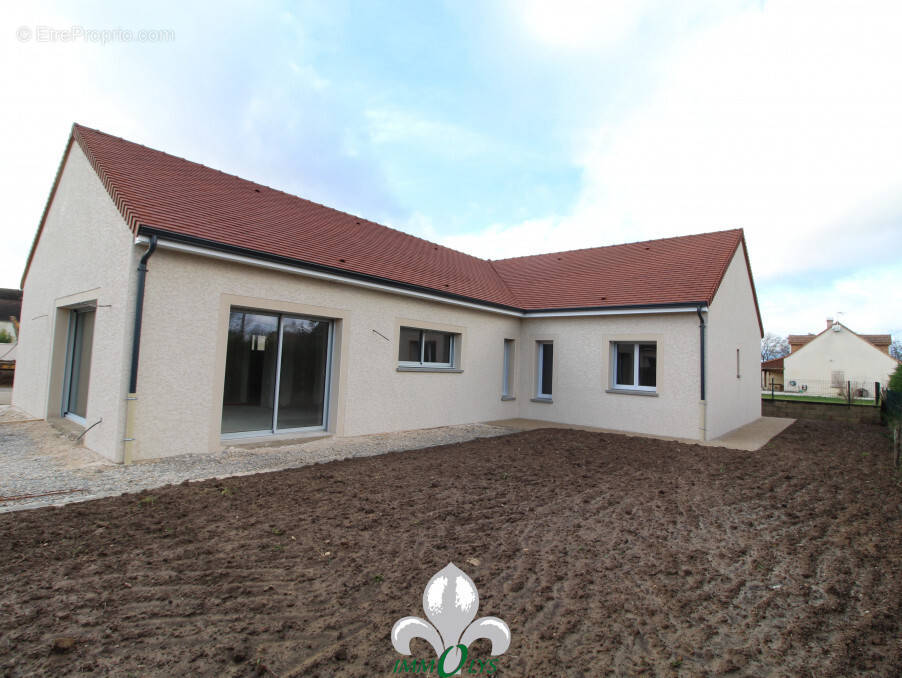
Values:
[(619, 244)]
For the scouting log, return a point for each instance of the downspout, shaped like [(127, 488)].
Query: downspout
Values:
[(128, 452), (703, 415)]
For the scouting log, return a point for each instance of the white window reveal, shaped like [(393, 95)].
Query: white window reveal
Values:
[(507, 373), (427, 348), (635, 366), (544, 370)]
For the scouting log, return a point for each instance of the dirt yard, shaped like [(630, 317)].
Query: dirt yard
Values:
[(606, 555)]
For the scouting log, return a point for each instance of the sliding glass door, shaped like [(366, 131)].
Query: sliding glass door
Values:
[(277, 373)]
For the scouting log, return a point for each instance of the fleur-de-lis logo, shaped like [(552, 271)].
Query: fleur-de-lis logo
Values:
[(450, 602)]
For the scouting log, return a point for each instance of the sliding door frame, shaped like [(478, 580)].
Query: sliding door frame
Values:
[(275, 430)]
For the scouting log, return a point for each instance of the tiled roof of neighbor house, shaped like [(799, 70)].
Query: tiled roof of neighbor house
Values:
[(878, 339), (874, 339), (172, 197), (775, 364), (800, 338)]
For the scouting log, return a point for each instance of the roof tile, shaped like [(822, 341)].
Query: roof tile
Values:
[(161, 192)]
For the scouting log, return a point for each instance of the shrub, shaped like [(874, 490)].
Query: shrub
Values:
[(5, 337), (895, 381)]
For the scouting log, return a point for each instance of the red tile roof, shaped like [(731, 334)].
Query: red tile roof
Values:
[(160, 193), (671, 270), (877, 340), (776, 364)]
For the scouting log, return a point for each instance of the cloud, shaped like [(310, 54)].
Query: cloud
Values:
[(866, 301), (392, 126), (782, 120), (579, 24)]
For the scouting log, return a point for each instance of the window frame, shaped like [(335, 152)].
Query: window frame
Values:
[(452, 350), (615, 357), (540, 365)]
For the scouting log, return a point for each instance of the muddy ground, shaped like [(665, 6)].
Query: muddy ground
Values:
[(606, 555)]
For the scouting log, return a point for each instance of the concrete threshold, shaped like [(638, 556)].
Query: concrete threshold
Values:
[(751, 437)]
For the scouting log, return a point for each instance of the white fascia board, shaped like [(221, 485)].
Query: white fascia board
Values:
[(332, 277)]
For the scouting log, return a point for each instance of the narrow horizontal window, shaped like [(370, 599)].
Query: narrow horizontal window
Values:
[(426, 348), (635, 366)]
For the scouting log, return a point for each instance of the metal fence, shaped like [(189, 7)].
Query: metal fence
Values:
[(858, 391)]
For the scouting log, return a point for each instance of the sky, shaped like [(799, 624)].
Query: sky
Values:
[(504, 128)]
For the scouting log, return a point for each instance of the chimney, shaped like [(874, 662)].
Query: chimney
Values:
[(829, 323)]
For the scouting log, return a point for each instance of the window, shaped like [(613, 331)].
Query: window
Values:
[(635, 366), (545, 371), (837, 379), (277, 373), (426, 348), (507, 375)]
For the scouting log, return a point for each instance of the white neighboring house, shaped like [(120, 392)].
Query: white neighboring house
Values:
[(828, 362), (170, 308)]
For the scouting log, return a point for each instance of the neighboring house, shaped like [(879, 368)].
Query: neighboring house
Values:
[(772, 374), (10, 307), (170, 307), (836, 358)]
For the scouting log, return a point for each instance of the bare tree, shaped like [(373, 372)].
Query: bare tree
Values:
[(773, 346), (895, 349)]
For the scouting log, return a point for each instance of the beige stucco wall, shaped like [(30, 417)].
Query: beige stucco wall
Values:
[(841, 351), (182, 366), (733, 401), (582, 373), (85, 256)]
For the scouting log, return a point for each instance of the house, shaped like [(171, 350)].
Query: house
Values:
[(169, 308), (10, 306), (830, 362), (772, 374)]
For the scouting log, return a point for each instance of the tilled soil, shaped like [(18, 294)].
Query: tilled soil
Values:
[(605, 554)]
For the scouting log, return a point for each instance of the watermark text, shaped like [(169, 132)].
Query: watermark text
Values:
[(95, 36)]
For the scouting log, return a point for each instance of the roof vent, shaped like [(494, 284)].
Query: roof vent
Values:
[(837, 327), (342, 260), (256, 190)]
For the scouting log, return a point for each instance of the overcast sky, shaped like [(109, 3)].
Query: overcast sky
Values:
[(506, 128)]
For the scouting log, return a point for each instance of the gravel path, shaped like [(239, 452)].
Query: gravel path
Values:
[(37, 459)]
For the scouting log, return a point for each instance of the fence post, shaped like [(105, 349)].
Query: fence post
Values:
[(877, 394), (849, 392), (771, 388)]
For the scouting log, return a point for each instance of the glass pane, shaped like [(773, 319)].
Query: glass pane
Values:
[(409, 348), (436, 347), (547, 367), (302, 379), (80, 369), (506, 369), (647, 365), (625, 364), (250, 376)]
